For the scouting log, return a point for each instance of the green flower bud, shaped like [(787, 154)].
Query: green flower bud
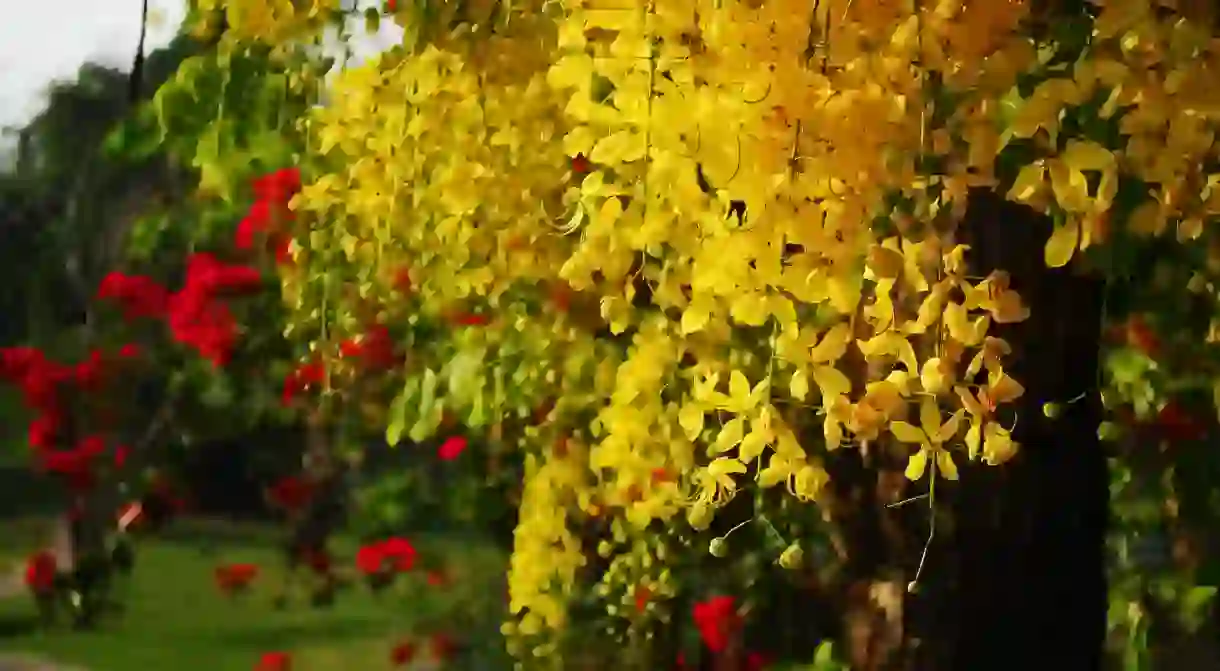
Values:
[(699, 516), (719, 547), (1052, 410), (792, 557)]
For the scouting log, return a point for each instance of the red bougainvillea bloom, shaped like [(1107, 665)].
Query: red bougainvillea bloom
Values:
[(402, 654), (290, 493), (581, 165), (643, 595), (717, 621), (452, 448), (374, 349), (279, 186), (1177, 425), (43, 429), (274, 661), (38, 378), (392, 553), (121, 454), (756, 661), (204, 324), (211, 278), (301, 379), (402, 280), (442, 646), (40, 570), (468, 319), (369, 559), (137, 296), (74, 465), (235, 577), (89, 372), (283, 249)]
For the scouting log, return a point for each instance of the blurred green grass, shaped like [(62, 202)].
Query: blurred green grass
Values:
[(175, 618)]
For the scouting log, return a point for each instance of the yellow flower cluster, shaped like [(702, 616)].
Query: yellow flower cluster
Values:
[(749, 210)]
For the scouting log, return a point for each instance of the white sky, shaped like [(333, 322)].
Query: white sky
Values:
[(46, 40)]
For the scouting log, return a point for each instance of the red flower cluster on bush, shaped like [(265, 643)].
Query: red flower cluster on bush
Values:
[(290, 493), (232, 578), (274, 661), (302, 379), (137, 296), (40, 570), (269, 212), (717, 621), (391, 554), (452, 448), (43, 384), (375, 349)]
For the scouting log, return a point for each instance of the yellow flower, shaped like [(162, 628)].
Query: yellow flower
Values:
[(930, 435)]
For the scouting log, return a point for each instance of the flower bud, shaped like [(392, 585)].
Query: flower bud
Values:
[(792, 557), (719, 547), (1052, 410), (699, 516)]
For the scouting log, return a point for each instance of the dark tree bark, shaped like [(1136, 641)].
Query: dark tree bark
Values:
[(1020, 581)]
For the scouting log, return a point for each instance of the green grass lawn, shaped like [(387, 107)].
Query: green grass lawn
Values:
[(175, 618)]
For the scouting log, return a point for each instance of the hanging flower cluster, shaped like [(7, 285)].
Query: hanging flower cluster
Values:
[(46, 386), (265, 223)]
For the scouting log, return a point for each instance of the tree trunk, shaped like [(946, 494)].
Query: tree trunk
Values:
[(1020, 580)]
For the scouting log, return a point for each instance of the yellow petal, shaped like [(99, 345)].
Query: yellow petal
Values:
[(950, 427), (1002, 389), (885, 263), (917, 464), (944, 464), (1062, 244), (907, 433), (929, 416), (973, 437), (831, 381), (690, 418)]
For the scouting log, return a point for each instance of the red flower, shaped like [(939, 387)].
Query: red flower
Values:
[(279, 186), (756, 661), (717, 621), (399, 552), (235, 577), (209, 277), (138, 296), (402, 280), (43, 430), (317, 560), (300, 380), (369, 559), (121, 453), (89, 372), (402, 653), (40, 570), (375, 349), (452, 448), (1178, 425), (442, 646), (200, 322), (274, 661), (581, 165), (290, 493), (391, 5), (392, 553), (283, 249), (129, 351), (642, 596)]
